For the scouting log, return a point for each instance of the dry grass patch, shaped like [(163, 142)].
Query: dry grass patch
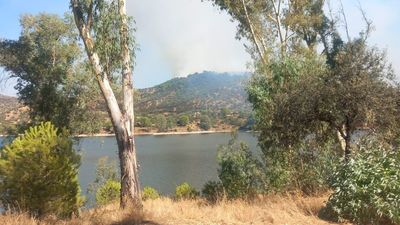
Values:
[(289, 209), (267, 210)]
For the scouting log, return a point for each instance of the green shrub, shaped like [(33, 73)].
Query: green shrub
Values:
[(241, 174), (183, 120), (185, 191), (106, 186), (105, 170), (150, 193), (39, 173), (306, 167), (367, 187), (205, 122), (108, 192), (213, 191)]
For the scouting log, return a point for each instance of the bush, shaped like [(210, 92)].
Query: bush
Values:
[(185, 191), (106, 186), (150, 193), (241, 174), (205, 122), (108, 192), (306, 167), (213, 191), (143, 122), (183, 120), (39, 173), (367, 187)]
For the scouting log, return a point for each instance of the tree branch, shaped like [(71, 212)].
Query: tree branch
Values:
[(260, 52)]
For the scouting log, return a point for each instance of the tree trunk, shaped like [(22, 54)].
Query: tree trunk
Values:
[(347, 150), (253, 35), (344, 138), (122, 120), (130, 190)]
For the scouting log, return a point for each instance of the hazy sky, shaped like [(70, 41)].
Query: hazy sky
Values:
[(179, 37)]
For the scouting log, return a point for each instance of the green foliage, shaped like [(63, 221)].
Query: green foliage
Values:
[(367, 187), (213, 191), (107, 35), (306, 167), (183, 120), (258, 19), (185, 191), (143, 121), (161, 123), (205, 122), (106, 186), (241, 174), (52, 78), (171, 122), (150, 193), (108, 192), (39, 173)]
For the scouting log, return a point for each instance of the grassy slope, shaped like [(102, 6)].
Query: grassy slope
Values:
[(269, 210)]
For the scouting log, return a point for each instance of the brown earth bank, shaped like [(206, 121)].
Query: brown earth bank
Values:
[(293, 210)]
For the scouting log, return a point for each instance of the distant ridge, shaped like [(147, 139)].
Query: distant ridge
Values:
[(196, 92)]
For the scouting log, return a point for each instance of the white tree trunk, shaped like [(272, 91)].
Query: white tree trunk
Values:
[(123, 121)]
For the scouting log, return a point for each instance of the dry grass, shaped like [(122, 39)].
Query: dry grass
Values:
[(267, 210)]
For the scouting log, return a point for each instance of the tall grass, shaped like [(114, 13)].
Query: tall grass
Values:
[(289, 209)]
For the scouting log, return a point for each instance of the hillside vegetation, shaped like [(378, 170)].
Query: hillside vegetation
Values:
[(197, 92), (219, 96)]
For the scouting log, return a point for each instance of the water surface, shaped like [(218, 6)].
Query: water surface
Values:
[(165, 161)]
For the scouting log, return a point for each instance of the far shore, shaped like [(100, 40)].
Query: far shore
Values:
[(153, 133), (159, 133)]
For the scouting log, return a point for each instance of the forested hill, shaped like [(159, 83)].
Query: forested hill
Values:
[(220, 96), (206, 91)]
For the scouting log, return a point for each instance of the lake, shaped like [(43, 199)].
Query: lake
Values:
[(165, 161)]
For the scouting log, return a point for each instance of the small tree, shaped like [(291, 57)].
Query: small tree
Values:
[(205, 122), (183, 120), (39, 173), (161, 123), (239, 171)]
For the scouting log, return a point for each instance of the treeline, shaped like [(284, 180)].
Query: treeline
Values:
[(204, 120)]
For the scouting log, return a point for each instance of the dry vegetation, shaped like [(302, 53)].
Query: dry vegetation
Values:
[(269, 210)]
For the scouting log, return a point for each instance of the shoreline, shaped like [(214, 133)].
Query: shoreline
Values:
[(159, 133), (155, 133), (150, 133)]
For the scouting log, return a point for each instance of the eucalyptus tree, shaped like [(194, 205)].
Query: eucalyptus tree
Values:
[(105, 30), (275, 27)]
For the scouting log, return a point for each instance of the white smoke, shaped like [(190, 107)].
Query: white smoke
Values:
[(189, 35)]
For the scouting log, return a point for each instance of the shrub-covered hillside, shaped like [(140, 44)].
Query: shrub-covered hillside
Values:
[(196, 92)]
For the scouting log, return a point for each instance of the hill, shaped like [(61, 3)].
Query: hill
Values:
[(206, 91), (11, 112), (219, 99)]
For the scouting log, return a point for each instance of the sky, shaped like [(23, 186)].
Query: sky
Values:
[(180, 37)]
